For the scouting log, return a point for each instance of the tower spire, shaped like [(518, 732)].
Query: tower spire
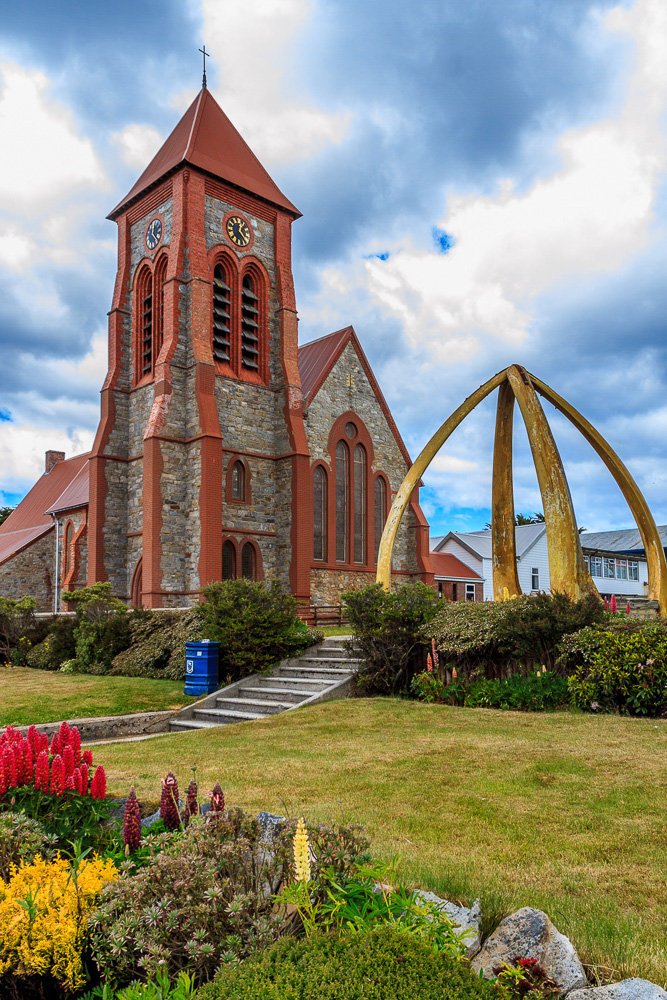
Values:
[(204, 54)]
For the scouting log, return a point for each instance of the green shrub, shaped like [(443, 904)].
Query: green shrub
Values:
[(17, 620), (102, 627), (536, 692), (389, 634), (21, 838), (58, 645), (157, 643), (255, 624), (620, 668), (499, 638), (382, 965)]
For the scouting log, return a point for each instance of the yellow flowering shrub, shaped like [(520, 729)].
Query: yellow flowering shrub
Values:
[(44, 911)]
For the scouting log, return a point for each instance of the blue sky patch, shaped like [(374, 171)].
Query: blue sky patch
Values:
[(383, 255), (5, 416), (443, 241)]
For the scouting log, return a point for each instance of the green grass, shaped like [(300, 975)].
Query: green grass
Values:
[(561, 811), (28, 696), (338, 630)]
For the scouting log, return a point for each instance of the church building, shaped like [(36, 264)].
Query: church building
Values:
[(223, 449)]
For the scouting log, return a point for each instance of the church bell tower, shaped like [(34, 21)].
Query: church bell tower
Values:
[(200, 464)]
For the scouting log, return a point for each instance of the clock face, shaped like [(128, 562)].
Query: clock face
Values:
[(153, 233), (238, 231)]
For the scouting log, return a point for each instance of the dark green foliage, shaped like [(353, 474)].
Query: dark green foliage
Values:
[(389, 634), (4, 513), (157, 643), (525, 977), (619, 667), (255, 624), (64, 818), (17, 621), (501, 638), (536, 692), (102, 627), (382, 965), (58, 645), (337, 847), (21, 838)]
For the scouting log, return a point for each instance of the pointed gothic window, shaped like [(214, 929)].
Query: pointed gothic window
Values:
[(249, 324), (359, 504), (248, 561), (67, 548), (380, 511), (222, 315), (160, 275), (238, 481), (146, 307), (320, 513), (228, 561), (342, 494)]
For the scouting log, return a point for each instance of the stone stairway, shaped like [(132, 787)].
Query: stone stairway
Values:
[(322, 673)]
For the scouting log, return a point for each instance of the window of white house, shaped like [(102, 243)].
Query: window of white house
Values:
[(621, 569), (535, 578), (633, 569), (470, 591), (595, 565), (610, 569)]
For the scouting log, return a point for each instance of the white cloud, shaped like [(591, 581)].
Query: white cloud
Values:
[(44, 157), (138, 144), (89, 370), (250, 42), (22, 451), (591, 216)]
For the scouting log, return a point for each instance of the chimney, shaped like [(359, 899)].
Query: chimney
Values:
[(52, 458)]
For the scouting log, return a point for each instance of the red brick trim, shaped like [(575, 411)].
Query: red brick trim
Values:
[(327, 539), (362, 438), (238, 555)]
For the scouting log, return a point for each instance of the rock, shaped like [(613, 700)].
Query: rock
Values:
[(628, 989), (270, 825), (148, 821), (529, 933), (466, 919)]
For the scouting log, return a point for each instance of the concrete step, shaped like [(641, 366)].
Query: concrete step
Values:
[(315, 673), (336, 652), (263, 705), (286, 696), (332, 660), (226, 715), (176, 725), (304, 683)]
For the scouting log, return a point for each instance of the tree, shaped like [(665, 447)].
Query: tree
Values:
[(5, 512), (536, 518)]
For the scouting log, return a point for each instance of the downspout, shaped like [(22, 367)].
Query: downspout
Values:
[(57, 523)]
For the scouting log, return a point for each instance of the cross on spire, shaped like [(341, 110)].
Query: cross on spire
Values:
[(204, 54)]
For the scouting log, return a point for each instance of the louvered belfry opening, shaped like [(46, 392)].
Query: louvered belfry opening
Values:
[(160, 275), (222, 316), (147, 325), (249, 324)]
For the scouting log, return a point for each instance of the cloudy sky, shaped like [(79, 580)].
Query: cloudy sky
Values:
[(482, 182)]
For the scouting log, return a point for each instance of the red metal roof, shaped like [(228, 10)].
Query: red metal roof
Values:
[(317, 358), (31, 519), (206, 138), (447, 565)]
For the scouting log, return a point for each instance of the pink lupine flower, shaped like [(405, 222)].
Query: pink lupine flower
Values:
[(69, 784), (75, 743), (132, 822), (78, 784), (63, 733), (606, 604), (217, 799), (98, 786), (42, 772), (83, 770), (88, 757), (191, 804), (68, 760), (628, 609), (57, 775)]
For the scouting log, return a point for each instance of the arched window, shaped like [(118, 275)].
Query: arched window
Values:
[(320, 513), (380, 511), (67, 548), (238, 481), (342, 496), (359, 504), (137, 586), (160, 275), (250, 324), (228, 561), (222, 315), (145, 320), (248, 561)]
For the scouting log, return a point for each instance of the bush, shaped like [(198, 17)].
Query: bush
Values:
[(537, 692), (389, 634), (157, 643), (383, 965), (501, 638), (102, 627), (255, 624), (620, 667), (58, 646), (21, 838), (17, 619)]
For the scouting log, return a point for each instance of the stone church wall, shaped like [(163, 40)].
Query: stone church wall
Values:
[(31, 573)]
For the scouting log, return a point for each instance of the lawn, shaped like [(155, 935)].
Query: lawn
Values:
[(565, 812), (28, 696)]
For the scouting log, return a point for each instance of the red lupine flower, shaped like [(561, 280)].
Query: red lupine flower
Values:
[(18, 763), (10, 766), (83, 770), (217, 798), (88, 757), (75, 743), (76, 775), (69, 784), (612, 604), (63, 733), (98, 786), (4, 775), (56, 745), (132, 822), (628, 609), (169, 813), (42, 772), (28, 763), (32, 736), (191, 804), (606, 604), (68, 760), (57, 775)]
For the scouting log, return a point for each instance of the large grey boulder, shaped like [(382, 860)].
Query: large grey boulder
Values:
[(466, 919), (628, 989), (529, 933)]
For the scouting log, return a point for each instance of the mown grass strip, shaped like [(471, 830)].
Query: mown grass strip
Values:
[(561, 811)]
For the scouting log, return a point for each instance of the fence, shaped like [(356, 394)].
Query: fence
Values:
[(324, 615)]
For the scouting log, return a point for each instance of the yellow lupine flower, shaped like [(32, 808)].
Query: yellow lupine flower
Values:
[(301, 853), (49, 935)]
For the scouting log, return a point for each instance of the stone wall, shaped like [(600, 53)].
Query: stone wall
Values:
[(32, 573)]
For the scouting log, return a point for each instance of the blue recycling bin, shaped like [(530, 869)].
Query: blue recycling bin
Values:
[(201, 667)]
